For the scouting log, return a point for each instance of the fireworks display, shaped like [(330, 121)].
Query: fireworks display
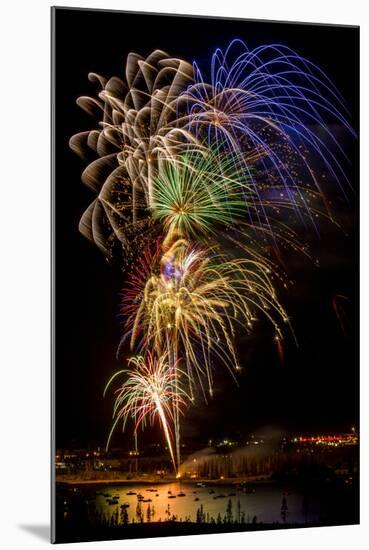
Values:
[(269, 103), (197, 174), (194, 302), (152, 391), (198, 193)]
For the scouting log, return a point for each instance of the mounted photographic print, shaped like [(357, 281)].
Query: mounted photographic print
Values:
[(205, 320)]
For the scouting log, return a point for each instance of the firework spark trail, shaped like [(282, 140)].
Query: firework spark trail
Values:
[(152, 390), (204, 194), (196, 298), (137, 124), (138, 275), (254, 95), (199, 192)]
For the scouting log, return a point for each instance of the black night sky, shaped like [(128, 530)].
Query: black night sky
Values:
[(316, 389)]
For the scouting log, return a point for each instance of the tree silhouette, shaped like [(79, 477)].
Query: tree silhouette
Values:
[(284, 509), (229, 512), (238, 511), (148, 513), (124, 516)]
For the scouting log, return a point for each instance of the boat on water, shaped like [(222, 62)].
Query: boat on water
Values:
[(219, 496), (111, 501), (152, 490), (196, 499), (157, 495), (211, 492), (107, 495), (172, 496), (200, 485), (125, 505), (131, 493), (146, 500), (181, 494)]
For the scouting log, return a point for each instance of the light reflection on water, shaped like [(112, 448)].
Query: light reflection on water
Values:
[(265, 503)]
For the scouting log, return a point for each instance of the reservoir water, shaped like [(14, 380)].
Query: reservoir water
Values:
[(262, 503)]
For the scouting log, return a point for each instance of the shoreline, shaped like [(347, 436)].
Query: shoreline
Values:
[(155, 481)]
